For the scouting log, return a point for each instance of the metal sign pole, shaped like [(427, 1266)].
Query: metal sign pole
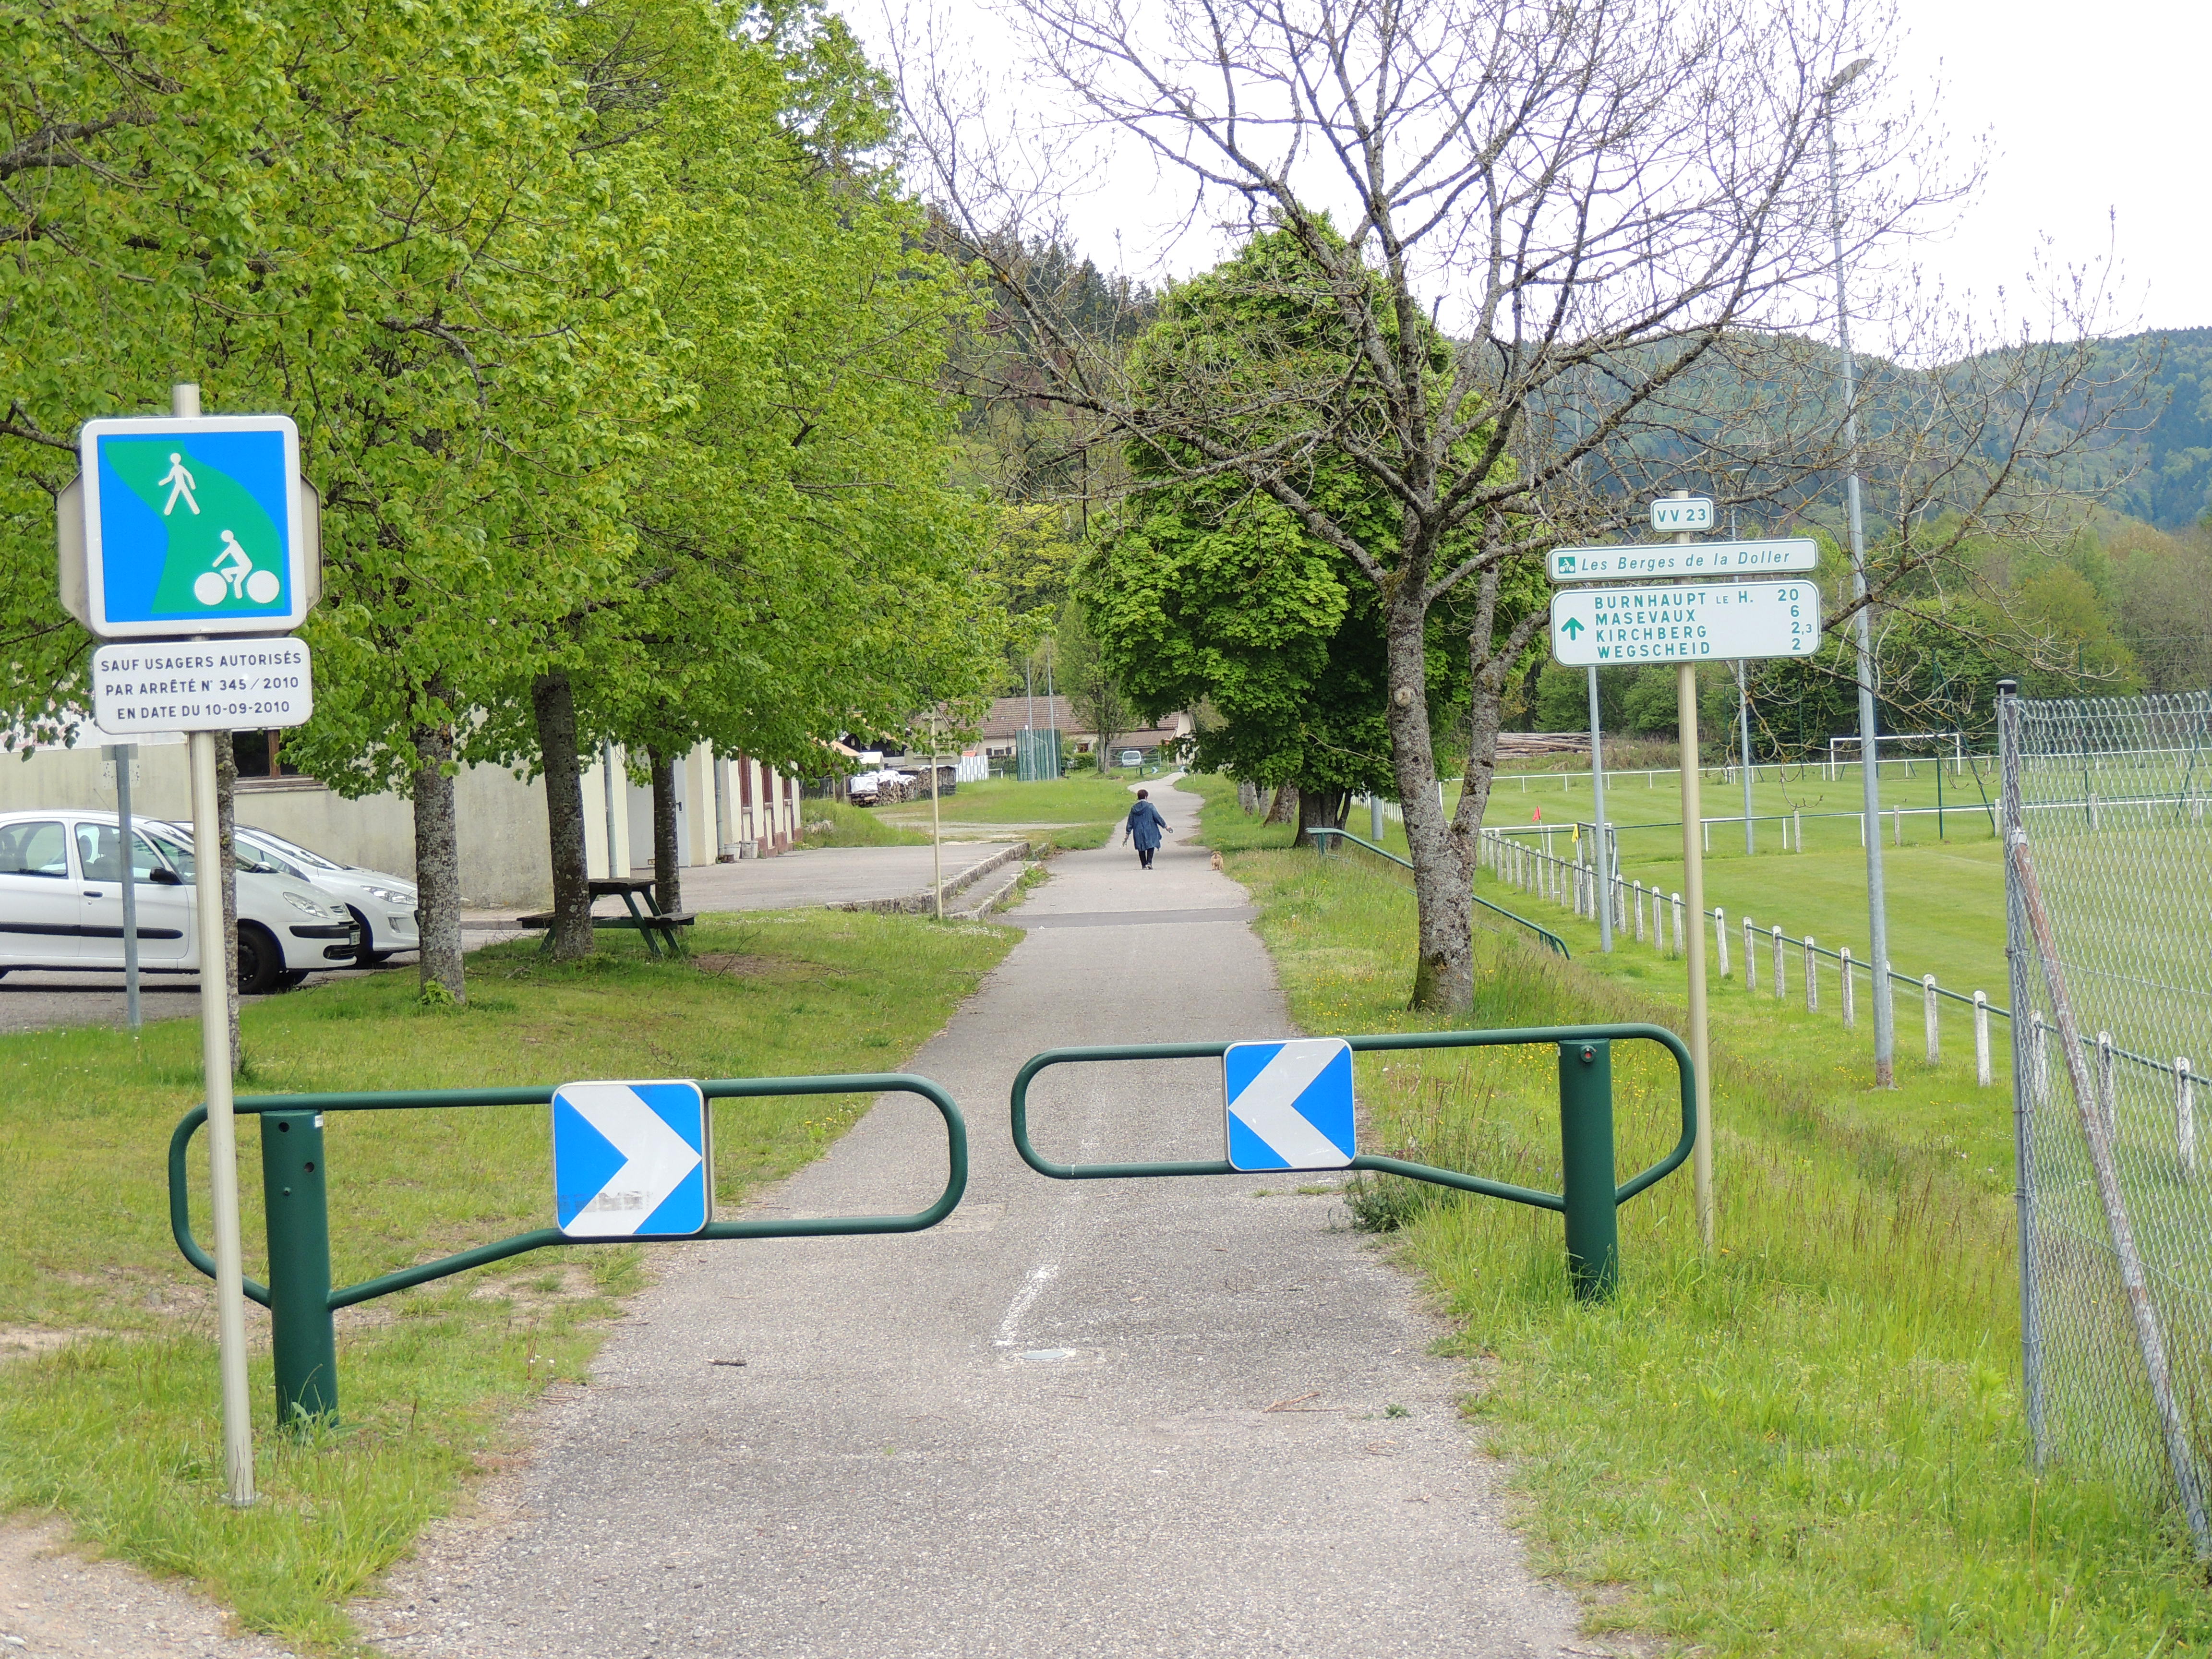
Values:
[(215, 1060), (122, 754), (1693, 895), (1603, 864), (1743, 714), (936, 826)]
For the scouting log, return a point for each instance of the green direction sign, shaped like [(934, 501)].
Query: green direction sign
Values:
[(1685, 621), (193, 526)]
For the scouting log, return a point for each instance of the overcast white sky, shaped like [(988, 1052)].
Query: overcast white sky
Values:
[(2093, 110), (2097, 116)]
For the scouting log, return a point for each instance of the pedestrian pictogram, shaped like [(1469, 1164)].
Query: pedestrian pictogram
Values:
[(631, 1160), (193, 526), (1289, 1104)]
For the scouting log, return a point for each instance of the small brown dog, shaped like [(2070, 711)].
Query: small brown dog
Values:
[(1217, 861)]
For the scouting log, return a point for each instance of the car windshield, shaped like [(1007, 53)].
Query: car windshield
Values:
[(253, 859), (293, 850)]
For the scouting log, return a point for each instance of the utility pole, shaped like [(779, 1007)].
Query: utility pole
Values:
[(1885, 1030)]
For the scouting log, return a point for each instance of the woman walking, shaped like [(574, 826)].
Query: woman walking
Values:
[(1144, 827)]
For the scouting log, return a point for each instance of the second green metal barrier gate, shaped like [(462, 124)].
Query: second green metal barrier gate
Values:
[(1590, 1197)]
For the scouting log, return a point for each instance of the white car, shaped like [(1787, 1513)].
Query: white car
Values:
[(383, 904), (61, 904)]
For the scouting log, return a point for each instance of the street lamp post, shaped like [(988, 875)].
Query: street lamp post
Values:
[(1885, 1032)]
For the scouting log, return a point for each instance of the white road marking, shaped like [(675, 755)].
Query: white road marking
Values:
[(1033, 1287)]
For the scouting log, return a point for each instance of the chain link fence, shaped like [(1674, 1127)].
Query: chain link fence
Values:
[(2108, 884)]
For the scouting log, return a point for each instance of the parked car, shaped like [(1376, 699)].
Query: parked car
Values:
[(383, 904), (61, 904)]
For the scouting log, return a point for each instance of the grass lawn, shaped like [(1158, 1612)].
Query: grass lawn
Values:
[(1945, 896), (117, 1430), (840, 823), (1809, 1444), (1073, 812)]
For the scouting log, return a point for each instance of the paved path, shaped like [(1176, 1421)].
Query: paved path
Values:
[(1104, 1419)]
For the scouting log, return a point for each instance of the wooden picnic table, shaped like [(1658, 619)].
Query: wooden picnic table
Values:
[(656, 926)]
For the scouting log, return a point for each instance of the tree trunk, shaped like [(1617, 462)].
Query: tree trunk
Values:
[(668, 875), (1320, 809), (438, 865), (553, 700), (1286, 807), (1443, 968), (1247, 796), (225, 818)]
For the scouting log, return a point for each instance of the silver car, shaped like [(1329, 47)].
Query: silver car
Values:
[(383, 904), (61, 904)]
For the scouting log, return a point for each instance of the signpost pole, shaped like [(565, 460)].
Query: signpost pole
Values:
[(1604, 880), (215, 1061), (1743, 715), (122, 754), (1693, 895)]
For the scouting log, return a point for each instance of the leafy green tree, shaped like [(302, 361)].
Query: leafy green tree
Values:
[(1206, 590), (384, 225), (802, 567)]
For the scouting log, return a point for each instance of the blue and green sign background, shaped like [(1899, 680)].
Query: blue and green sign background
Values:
[(151, 559)]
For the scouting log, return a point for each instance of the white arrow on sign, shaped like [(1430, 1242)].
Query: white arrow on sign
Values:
[(658, 1159)]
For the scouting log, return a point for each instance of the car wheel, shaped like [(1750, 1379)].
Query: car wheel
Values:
[(367, 957), (260, 965)]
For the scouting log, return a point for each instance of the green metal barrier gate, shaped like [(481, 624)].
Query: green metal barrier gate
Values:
[(294, 1187), (1590, 1198)]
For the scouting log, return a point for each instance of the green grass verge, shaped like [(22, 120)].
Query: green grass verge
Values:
[(840, 823), (1809, 1444), (118, 1430), (1945, 896), (1000, 801)]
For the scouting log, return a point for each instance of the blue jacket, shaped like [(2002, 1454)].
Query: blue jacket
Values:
[(1144, 825)]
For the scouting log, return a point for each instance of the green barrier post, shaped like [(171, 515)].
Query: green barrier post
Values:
[(303, 1333), (1586, 1160)]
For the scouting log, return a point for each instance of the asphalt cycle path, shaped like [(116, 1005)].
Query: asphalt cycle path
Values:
[(1162, 1417)]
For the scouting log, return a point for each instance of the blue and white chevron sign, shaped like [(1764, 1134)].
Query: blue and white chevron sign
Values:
[(631, 1160), (1289, 1104)]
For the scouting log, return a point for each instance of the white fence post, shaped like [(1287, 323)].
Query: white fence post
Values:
[(1750, 958), (1678, 924), (2096, 817), (1781, 986), (1812, 977), (2107, 1087), (1897, 823), (1982, 1039), (1639, 913), (1850, 997), (1720, 939), (1862, 830), (2184, 1115), (1797, 828), (1928, 1016), (2038, 1070)]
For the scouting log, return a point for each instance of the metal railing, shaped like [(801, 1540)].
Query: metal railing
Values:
[(1552, 940)]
